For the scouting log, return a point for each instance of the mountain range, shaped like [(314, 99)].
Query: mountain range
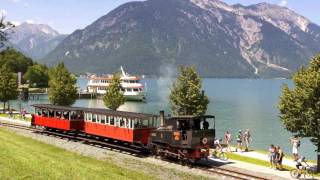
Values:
[(261, 40), (34, 40)]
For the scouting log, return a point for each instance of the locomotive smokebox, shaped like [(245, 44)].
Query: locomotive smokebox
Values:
[(161, 118)]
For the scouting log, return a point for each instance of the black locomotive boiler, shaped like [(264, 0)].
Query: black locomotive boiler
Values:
[(187, 138)]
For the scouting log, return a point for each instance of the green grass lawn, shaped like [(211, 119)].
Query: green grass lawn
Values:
[(25, 158)]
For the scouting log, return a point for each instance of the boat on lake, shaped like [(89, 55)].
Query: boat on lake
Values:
[(132, 88)]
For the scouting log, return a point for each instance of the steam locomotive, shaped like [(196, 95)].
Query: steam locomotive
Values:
[(188, 138)]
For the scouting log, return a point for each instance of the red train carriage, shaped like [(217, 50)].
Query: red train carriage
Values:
[(125, 126), (58, 117)]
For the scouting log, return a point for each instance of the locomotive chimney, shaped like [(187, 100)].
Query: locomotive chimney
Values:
[(161, 118)]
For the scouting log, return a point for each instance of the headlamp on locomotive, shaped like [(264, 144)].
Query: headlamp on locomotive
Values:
[(183, 137)]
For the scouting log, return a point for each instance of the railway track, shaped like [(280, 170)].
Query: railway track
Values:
[(230, 174), (226, 173)]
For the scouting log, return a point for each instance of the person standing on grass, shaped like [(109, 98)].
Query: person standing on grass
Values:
[(247, 139), (227, 139), (23, 114), (272, 154), (295, 141), (10, 113), (239, 141), (279, 157)]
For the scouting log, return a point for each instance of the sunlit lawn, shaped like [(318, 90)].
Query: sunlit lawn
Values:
[(24, 158)]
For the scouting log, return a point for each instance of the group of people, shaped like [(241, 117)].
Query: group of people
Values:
[(243, 140), (276, 156)]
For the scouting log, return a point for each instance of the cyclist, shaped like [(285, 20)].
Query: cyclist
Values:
[(299, 162), (218, 152), (301, 169), (217, 144)]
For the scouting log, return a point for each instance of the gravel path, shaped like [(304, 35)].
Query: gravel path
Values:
[(161, 169)]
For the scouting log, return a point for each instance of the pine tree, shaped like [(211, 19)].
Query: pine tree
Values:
[(62, 86), (186, 97), (114, 97), (300, 107), (8, 86)]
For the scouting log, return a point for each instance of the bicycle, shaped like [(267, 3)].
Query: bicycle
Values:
[(220, 154), (306, 171)]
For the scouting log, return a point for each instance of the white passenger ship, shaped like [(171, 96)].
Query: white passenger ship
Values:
[(130, 86)]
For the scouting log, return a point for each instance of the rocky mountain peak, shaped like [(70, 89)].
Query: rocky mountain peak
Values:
[(26, 30), (222, 40), (35, 40)]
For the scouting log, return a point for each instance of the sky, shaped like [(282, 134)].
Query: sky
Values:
[(66, 16)]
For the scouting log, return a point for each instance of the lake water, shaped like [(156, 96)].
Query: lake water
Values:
[(236, 103)]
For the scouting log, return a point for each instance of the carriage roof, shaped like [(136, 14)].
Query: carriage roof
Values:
[(95, 110)]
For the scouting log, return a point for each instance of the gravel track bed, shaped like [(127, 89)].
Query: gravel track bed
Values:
[(160, 169)]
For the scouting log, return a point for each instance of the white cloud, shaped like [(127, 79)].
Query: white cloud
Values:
[(3, 12), (283, 3), (30, 21), (16, 23)]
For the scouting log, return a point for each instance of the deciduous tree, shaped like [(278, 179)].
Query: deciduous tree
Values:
[(300, 106), (62, 86), (8, 86), (16, 61), (114, 98), (186, 97), (37, 75)]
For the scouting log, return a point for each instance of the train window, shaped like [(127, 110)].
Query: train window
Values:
[(136, 90), (73, 115), (122, 122), (107, 120), (137, 123), (66, 115), (51, 113), (98, 118), (102, 119), (80, 115), (44, 113), (94, 118), (183, 125), (111, 120), (58, 114), (89, 117)]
